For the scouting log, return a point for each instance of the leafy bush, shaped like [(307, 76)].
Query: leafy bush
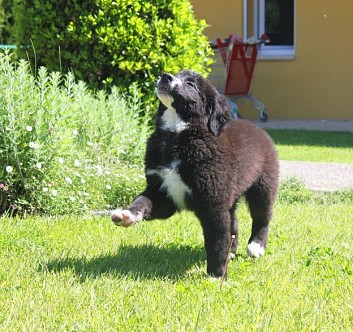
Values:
[(6, 22), (110, 43), (63, 149)]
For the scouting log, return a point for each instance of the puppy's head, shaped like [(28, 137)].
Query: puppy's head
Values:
[(189, 97)]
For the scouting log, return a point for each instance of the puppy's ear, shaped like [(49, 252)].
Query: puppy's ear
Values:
[(219, 115)]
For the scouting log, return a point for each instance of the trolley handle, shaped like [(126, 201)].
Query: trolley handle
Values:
[(219, 43)]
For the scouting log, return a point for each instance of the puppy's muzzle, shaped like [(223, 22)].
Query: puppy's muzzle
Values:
[(168, 82)]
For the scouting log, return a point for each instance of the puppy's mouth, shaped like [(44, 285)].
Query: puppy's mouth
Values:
[(163, 90), (164, 96)]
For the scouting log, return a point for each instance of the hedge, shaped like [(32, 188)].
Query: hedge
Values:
[(109, 43)]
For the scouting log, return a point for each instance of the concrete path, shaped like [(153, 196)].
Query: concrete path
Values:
[(316, 176), (319, 176), (325, 125)]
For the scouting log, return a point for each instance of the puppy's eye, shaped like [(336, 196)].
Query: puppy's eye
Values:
[(191, 84)]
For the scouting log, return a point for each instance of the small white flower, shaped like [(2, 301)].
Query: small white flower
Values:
[(83, 181), (33, 145), (72, 199), (108, 187), (99, 170), (45, 189), (9, 169), (29, 128), (68, 180), (75, 132), (54, 192), (61, 161), (77, 163), (39, 165)]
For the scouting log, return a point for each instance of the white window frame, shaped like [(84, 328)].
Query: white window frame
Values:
[(266, 51)]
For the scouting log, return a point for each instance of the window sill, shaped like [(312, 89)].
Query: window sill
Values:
[(276, 57), (283, 54)]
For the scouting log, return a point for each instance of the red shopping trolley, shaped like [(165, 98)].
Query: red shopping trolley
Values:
[(239, 59)]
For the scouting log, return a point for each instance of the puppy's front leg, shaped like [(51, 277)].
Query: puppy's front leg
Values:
[(139, 209), (153, 203), (125, 218)]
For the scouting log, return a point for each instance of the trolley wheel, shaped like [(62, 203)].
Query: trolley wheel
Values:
[(237, 116), (263, 117)]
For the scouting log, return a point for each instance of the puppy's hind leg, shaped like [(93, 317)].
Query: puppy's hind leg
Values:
[(261, 200)]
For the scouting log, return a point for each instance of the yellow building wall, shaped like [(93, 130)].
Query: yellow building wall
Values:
[(318, 83), (223, 16)]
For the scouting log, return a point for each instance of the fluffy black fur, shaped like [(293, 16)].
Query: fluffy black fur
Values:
[(201, 159)]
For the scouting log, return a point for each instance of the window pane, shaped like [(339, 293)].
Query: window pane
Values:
[(279, 21)]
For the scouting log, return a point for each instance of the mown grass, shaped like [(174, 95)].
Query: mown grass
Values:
[(85, 274), (320, 146)]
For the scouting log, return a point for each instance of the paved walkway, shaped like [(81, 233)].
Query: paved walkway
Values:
[(325, 125), (316, 176), (319, 176)]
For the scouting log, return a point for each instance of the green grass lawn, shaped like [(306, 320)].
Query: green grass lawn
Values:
[(321, 146), (80, 273), (85, 274)]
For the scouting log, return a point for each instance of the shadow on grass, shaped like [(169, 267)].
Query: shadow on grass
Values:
[(139, 262)]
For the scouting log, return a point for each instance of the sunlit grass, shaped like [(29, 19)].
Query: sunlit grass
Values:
[(320, 146), (85, 274)]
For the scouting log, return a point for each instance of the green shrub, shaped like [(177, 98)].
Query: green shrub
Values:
[(6, 22), (113, 42), (63, 149)]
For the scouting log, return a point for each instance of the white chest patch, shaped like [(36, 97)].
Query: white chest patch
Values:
[(172, 183), (170, 119)]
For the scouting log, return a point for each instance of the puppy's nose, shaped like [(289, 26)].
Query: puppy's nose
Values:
[(167, 78)]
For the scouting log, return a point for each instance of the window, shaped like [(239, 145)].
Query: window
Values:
[(275, 18)]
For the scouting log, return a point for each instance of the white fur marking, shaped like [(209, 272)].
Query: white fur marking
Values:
[(170, 118), (255, 250), (213, 279), (172, 121), (172, 183)]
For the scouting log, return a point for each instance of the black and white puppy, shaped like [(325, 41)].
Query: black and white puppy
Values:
[(199, 158)]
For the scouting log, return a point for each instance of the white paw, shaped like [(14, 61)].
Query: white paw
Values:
[(255, 250), (213, 279), (125, 218)]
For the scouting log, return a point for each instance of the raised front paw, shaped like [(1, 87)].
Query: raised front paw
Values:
[(125, 218)]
